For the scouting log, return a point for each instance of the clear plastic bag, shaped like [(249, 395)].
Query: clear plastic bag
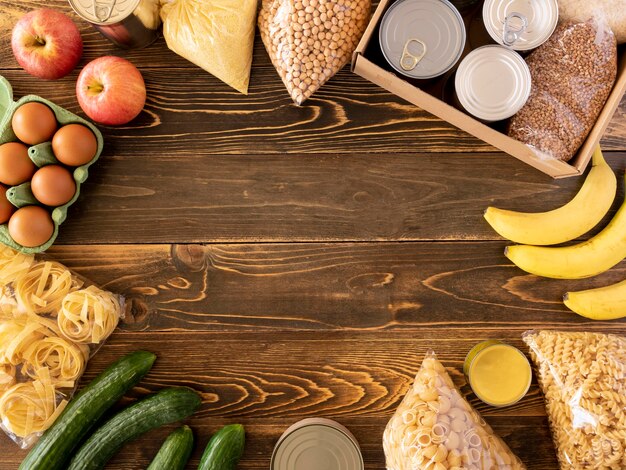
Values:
[(309, 41), (613, 10), (51, 323), (573, 74), (583, 378), (216, 35), (434, 428)]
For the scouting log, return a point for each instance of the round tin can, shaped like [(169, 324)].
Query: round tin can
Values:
[(493, 83), (317, 444), (422, 39), (127, 23), (498, 373), (520, 24)]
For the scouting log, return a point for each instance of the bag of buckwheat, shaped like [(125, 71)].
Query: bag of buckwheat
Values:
[(309, 41), (573, 74), (613, 11), (434, 428)]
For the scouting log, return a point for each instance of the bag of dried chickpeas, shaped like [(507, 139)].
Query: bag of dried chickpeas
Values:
[(309, 41), (583, 378), (216, 35), (434, 428), (51, 322)]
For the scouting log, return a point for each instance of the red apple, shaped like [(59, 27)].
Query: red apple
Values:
[(111, 90), (46, 43)]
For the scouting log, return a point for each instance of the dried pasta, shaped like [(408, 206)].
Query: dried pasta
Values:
[(30, 407), (43, 288), (49, 328), (583, 378), (64, 360), (434, 428), (89, 315), (13, 264)]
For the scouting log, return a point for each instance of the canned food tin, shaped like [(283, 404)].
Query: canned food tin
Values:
[(493, 83), (422, 39), (316, 444), (498, 373), (520, 24), (127, 23)]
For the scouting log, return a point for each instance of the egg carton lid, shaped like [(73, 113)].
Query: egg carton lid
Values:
[(6, 100)]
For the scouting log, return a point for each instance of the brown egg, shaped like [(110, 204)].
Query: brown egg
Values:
[(31, 226), (6, 208), (53, 185), (74, 145), (15, 166), (34, 123)]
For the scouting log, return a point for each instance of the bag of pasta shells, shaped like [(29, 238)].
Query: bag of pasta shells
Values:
[(216, 35), (51, 323), (583, 378), (309, 41), (434, 428)]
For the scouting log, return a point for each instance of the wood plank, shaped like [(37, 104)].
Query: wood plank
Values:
[(350, 287), (267, 382), (188, 108), (156, 197)]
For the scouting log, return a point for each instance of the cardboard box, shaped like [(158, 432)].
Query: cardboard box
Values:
[(363, 65)]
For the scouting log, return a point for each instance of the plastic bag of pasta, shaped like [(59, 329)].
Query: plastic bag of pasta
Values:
[(583, 378), (309, 41), (216, 35), (51, 322), (434, 428)]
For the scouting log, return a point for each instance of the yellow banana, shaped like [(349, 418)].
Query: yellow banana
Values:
[(566, 223), (594, 256), (603, 303)]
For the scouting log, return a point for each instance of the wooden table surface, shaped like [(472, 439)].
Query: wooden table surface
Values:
[(295, 262)]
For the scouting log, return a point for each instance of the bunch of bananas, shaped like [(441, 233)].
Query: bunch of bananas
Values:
[(594, 256)]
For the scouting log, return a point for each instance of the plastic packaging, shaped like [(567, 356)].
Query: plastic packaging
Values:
[(434, 428), (41, 155), (51, 323), (583, 378), (309, 41), (216, 35), (613, 10), (573, 74)]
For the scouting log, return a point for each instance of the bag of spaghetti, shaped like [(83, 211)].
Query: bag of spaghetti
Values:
[(434, 428), (583, 378), (51, 322), (216, 35)]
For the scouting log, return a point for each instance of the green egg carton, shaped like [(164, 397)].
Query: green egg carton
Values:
[(41, 155)]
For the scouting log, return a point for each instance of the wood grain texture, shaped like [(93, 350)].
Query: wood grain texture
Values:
[(188, 198), (188, 107)]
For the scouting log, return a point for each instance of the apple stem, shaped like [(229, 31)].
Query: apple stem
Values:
[(96, 88), (40, 40)]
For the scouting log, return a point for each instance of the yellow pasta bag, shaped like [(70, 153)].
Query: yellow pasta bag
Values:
[(216, 35), (50, 325), (583, 378), (434, 428)]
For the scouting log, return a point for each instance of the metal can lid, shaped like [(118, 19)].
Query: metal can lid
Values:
[(520, 24), (493, 83), (422, 38), (104, 12), (314, 444)]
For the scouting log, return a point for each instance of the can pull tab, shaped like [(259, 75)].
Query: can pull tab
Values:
[(103, 9), (409, 61), (514, 26)]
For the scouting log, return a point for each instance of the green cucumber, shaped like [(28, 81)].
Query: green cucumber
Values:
[(224, 449), (167, 406), (54, 449), (175, 451)]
